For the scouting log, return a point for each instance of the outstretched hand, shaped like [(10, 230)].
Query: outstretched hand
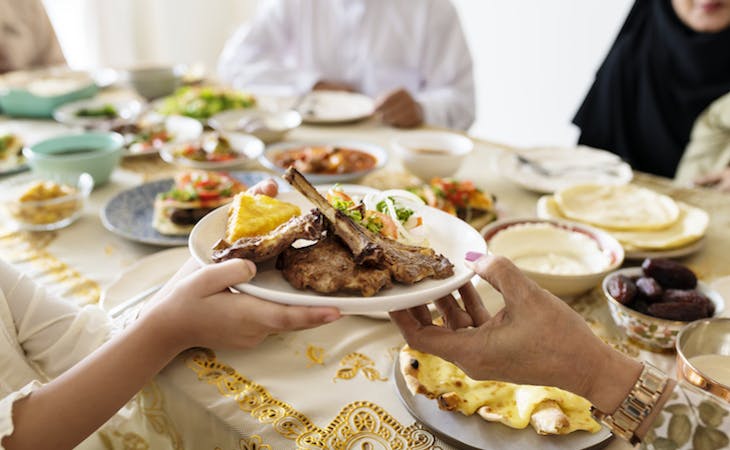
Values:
[(719, 180), (535, 339)]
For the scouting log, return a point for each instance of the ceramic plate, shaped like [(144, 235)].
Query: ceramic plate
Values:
[(127, 110), (380, 154), (246, 147), (129, 213), (543, 212), (474, 433), (179, 129), (447, 235), (334, 107), (564, 167), (146, 273)]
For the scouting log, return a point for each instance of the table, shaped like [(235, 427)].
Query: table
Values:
[(330, 387)]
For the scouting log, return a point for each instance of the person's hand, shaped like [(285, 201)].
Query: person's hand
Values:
[(198, 309), (535, 339), (399, 109), (265, 187), (719, 180), (324, 85)]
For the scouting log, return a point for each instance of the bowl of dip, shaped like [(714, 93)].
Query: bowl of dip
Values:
[(432, 154), (703, 355), (565, 258)]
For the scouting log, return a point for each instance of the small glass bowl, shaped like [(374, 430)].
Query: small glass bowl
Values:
[(45, 214)]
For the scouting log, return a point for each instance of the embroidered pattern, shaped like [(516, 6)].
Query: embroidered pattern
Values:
[(353, 363), (359, 425), (152, 404), (254, 443), (315, 355), (20, 247)]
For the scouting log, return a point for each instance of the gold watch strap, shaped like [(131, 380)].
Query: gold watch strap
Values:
[(637, 405)]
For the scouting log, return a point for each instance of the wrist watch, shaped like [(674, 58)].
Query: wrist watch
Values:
[(636, 406)]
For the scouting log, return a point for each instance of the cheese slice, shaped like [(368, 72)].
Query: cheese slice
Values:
[(624, 207), (254, 215), (548, 409)]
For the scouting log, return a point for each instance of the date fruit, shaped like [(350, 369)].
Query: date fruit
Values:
[(693, 296), (622, 288), (683, 311), (650, 288), (669, 274)]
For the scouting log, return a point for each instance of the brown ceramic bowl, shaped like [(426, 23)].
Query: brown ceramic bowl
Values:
[(703, 337)]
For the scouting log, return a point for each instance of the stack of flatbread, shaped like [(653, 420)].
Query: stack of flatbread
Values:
[(641, 219)]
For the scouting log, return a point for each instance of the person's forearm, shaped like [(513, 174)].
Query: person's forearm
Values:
[(65, 411)]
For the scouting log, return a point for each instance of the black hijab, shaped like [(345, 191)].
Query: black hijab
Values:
[(657, 78)]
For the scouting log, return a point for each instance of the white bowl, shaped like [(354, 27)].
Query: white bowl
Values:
[(431, 154), (155, 81), (565, 258), (268, 126)]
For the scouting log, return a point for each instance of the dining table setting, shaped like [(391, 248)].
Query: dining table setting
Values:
[(113, 220)]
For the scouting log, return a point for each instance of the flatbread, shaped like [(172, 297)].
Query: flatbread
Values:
[(624, 207), (549, 410), (691, 226)]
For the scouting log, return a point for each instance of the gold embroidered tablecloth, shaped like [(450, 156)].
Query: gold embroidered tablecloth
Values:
[(327, 388)]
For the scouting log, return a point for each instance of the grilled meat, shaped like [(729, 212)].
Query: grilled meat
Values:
[(328, 267), (406, 263), (267, 246)]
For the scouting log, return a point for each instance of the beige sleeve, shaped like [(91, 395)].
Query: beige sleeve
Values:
[(708, 150)]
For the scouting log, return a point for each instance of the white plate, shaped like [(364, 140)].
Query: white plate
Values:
[(127, 111), (180, 128), (380, 154), (447, 235), (573, 165), (543, 212), (333, 107), (248, 148), (147, 272), (474, 433)]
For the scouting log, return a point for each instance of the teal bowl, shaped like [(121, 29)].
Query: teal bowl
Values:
[(68, 156), (22, 103)]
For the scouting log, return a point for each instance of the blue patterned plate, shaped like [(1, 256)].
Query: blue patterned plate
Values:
[(129, 213)]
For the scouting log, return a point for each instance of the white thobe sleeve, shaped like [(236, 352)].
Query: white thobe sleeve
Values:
[(54, 334), (447, 94), (258, 57)]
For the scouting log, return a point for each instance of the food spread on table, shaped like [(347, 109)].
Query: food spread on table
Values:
[(194, 194), (211, 147), (637, 217), (666, 289), (11, 147), (46, 202), (105, 111), (324, 159), (548, 409), (204, 102), (355, 256), (143, 137), (460, 198)]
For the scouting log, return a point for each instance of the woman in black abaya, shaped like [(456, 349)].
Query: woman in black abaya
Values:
[(670, 60)]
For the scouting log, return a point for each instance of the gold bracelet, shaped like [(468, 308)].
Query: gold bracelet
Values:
[(636, 406)]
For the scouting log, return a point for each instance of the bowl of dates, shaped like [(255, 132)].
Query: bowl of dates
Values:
[(653, 302)]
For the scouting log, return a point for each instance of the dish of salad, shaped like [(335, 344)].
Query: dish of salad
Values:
[(459, 198), (150, 134), (213, 150), (203, 102)]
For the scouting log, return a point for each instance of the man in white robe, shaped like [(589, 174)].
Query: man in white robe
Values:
[(409, 55)]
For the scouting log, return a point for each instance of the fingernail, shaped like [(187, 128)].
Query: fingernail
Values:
[(473, 256), (331, 318)]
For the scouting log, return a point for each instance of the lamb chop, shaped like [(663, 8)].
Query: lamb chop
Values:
[(267, 246), (328, 267), (406, 263)]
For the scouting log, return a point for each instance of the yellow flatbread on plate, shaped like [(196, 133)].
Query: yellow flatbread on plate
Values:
[(690, 227), (617, 207)]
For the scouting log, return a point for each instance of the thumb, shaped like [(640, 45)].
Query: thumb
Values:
[(215, 278)]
